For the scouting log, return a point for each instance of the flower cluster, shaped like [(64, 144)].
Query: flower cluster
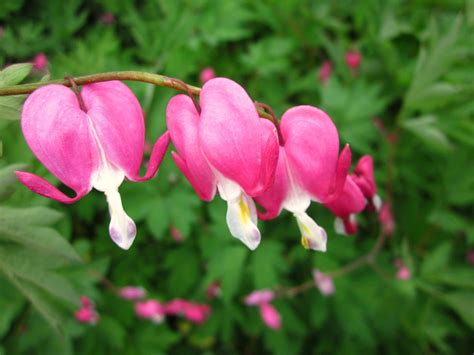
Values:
[(269, 314), (96, 138), (87, 313)]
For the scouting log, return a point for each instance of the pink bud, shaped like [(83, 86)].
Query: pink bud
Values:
[(386, 219), (403, 273), (107, 18), (40, 61), (470, 257), (176, 234), (324, 283), (207, 74), (270, 316), (87, 315), (259, 297), (86, 302), (150, 309), (325, 71), (213, 290), (175, 306), (132, 293), (353, 59), (197, 313)]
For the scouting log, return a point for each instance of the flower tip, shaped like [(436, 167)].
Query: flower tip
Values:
[(123, 237)]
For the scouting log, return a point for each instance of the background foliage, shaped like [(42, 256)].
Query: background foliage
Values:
[(417, 77)]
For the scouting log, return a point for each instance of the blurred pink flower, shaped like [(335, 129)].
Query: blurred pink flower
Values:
[(196, 313), (213, 290), (176, 234), (270, 316), (470, 257), (325, 71), (107, 18), (403, 273), (150, 309), (207, 74), (132, 293), (386, 219), (258, 297), (40, 61), (353, 59), (323, 282), (87, 313)]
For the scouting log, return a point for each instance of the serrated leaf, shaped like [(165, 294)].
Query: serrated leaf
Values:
[(8, 179), (14, 74), (267, 264), (425, 128), (227, 266), (10, 107), (436, 260)]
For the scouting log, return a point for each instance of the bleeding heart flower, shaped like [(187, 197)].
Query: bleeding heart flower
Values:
[(363, 176), (350, 202), (132, 293), (40, 61), (308, 169), (386, 219), (87, 313), (259, 297), (270, 316), (150, 309), (324, 283), (353, 59), (95, 146), (227, 148), (207, 74), (325, 71)]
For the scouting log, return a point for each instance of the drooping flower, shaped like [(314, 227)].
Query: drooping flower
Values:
[(386, 219), (270, 316), (107, 18), (87, 313), (324, 283), (227, 148), (132, 293), (353, 59), (95, 146), (40, 61), (259, 296), (194, 312), (207, 74), (150, 309), (309, 168), (359, 191), (325, 71), (403, 272)]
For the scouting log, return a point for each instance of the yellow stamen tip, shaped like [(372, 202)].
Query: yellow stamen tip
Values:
[(305, 242)]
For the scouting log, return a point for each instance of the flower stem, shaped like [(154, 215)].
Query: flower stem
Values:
[(144, 77)]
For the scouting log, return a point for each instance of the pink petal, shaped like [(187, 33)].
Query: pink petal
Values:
[(364, 176), (259, 296), (270, 316), (351, 200), (342, 169), (312, 146), (57, 131), (324, 283), (118, 120), (230, 133), (270, 150), (44, 188), (183, 120), (272, 199)]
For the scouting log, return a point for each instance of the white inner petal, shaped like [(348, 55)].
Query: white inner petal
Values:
[(242, 220), (312, 235), (107, 179), (377, 201)]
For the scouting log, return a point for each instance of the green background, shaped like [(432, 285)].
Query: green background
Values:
[(416, 76)]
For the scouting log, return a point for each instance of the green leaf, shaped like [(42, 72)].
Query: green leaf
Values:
[(425, 128), (267, 264), (462, 303), (14, 74), (436, 260), (227, 266), (10, 107), (8, 180)]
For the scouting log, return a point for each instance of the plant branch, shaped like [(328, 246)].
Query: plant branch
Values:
[(130, 75)]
